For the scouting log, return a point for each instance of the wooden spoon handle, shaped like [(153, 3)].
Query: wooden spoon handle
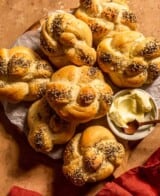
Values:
[(149, 122)]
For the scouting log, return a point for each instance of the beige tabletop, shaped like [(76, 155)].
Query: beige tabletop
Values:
[(20, 165)]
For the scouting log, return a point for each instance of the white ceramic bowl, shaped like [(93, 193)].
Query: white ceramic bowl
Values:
[(142, 131)]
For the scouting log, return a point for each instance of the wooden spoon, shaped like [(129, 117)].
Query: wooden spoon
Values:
[(134, 125)]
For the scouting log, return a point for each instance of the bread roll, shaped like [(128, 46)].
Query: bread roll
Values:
[(67, 40), (92, 155), (79, 93), (23, 74), (129, 58), (46, 128), (104, 16)]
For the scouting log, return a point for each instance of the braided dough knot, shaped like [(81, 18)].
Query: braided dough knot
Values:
[(104, 16), (129, 58), (67, 40), (46, 128), (79, 93), (92, 155), (23, 74)]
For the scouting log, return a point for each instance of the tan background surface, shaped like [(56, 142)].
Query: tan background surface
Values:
[(19, 164)]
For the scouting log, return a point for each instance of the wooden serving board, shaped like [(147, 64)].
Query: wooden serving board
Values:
[(20, 165)]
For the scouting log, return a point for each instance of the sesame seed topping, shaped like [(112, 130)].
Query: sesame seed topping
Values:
[(86, 99), (43, 65), (69, 150), (59, 95), (56, 26), (129, 16), (106, 58), (97, 28), (87, 4), (134, 68), (77, 177), (38, 139), (110, 14), (116, 63), (112, 150), (46, 45), (153, 71), (150, 48), (21, 62), (108, 98), (3, 66), (41, 90), (86, 59)]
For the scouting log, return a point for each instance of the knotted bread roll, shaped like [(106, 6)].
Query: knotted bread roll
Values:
[(129, 58), (23, 74), (92, 155), (67, 40), (46, 128), (104, 16), (79, 93)]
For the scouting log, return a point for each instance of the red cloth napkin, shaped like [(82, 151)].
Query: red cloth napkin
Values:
[(139, 181), (18, 191)]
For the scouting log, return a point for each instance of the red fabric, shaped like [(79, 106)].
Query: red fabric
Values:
[(18, 191), (139, 181)]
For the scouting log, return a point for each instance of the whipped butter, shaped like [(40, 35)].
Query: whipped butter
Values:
[(128, 107)]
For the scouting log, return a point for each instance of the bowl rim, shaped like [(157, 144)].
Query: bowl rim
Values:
[(139, 134)]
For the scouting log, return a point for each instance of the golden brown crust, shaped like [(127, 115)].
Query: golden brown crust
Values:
[(104, 16), (129, 58), (67, 40), (46, 128), (92, 155), (79, 93), (23, 74)]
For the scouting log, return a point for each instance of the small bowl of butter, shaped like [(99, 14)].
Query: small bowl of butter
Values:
[(129, 105)]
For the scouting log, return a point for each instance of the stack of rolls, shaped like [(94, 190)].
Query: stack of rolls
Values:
[(96, 43)]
